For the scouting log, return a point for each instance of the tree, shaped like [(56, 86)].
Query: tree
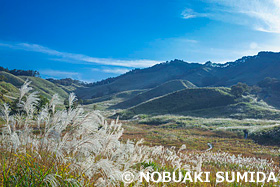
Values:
[(271, 84), (255, 89), (18, 72), (239, 89), (267, 82)]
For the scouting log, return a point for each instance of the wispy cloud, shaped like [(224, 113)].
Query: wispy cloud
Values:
[(56, 73), (189, 41), (112, 70), (79, 58), (261, 15), (190, 13), (49, 73)]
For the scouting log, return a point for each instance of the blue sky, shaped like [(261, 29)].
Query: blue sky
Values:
[(92, 40)]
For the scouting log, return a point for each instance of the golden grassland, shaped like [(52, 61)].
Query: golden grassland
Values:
[(196, 139), (30, 168)]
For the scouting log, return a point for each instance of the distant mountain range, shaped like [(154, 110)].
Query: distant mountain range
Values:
[(174, 87), (249, 69)]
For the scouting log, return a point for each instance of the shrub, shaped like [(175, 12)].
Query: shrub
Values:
[(239, 89)]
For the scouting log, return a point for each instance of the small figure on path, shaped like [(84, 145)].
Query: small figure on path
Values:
[(245, 133), (210, 146)]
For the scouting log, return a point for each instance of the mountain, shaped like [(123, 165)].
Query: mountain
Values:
[(147, 81), (140, 79), (163, 89), (249, 69)]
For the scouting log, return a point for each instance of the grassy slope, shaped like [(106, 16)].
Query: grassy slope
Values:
[(11, 86), (14, 80), (45, 87), (11, 89), (11, 92), (106, 102), (121, 95), (72, 88), (185, 100), (166, 88), (204, 102)]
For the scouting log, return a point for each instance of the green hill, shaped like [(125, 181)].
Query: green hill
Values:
[(71, 88), (166, 88), (121, 96), (10, 78), (8, 92), (204, 102), (106, 102), (44, 87), (11, 89), (186, 100)]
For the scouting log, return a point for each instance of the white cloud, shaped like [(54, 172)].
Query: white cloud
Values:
[(80, 58), (112, 70), (261, 15), (266, 12)]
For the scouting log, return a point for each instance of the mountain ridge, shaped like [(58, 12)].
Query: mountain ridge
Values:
[(248, 69)]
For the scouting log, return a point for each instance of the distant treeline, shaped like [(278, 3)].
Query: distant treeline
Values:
[(67, 82), (18, 72)]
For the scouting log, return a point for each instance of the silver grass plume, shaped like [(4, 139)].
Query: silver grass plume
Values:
[(24, 89), (53, 102), (72, 98)]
